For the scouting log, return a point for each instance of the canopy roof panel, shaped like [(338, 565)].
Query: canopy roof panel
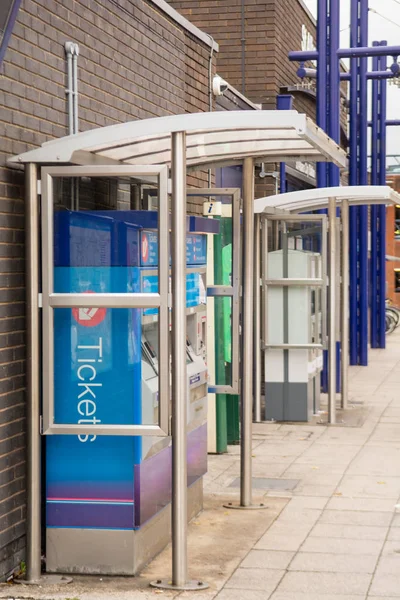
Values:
[(212, 139), (318, 198)]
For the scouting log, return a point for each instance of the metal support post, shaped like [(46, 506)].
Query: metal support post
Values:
[(33, 517), (332, 313), (257, 320), (345, 303), (246, 406), (178, 364), (247, 335), (322, 80)]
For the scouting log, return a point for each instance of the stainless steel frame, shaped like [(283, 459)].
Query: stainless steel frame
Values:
[(318, 282), (257, 320), (53, 300), (232, 291), (33, 517)]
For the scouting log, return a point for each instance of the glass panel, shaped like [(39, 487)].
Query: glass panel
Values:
[(104, 232), (105, 367)]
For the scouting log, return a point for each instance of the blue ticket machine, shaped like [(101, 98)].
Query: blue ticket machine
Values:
[(107, 498)]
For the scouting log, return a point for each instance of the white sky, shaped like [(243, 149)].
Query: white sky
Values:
[(379, 29)]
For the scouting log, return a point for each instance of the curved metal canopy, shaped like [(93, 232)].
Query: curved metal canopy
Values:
[(318, 198), (212, 138)]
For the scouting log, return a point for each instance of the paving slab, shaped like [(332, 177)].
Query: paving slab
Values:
[(318, 583), (265, 580), (342, 546), (267, 559), (335, 563), (356, 532)]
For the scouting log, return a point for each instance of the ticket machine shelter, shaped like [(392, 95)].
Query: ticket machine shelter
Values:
[(292, 205), (153, 148)]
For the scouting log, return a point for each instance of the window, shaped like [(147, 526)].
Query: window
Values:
[(397, 281)]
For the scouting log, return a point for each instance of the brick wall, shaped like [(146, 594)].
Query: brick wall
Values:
[(135, 62), (392, 245)]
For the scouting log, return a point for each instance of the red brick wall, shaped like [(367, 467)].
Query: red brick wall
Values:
[(392, 245), (135, 62)]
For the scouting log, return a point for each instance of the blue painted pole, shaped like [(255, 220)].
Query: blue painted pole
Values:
[(375, 143), (382, 211), (322, 100), (283, 102), (322, 80), (334, 117), (363, 180), (353, 180)]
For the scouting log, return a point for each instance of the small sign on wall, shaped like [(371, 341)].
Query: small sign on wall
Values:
[(212, 209)]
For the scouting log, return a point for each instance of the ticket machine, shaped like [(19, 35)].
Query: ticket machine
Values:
[(105, 492)]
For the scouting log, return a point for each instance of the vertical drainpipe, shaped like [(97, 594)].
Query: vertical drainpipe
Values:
[(353, 180), (382, 209), (334, 115), (75, 108), (69, 49), (363, 210), (374, 268)]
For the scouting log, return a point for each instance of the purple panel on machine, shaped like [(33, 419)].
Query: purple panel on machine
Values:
[(87, 515), (153, 476)]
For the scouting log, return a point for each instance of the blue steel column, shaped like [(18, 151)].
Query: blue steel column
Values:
[(322, 101), (382, 210), (322, 80), (334, 116), (353, 180), (374, 209), (363, 180)]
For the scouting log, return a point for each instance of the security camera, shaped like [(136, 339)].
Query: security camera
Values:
[(219, 86)]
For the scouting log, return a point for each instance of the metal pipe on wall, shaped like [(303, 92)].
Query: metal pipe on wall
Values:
[(345, 303), (247, 335), (257, 320), (33, 517)]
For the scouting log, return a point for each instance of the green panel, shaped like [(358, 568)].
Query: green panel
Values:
[(227, 406)]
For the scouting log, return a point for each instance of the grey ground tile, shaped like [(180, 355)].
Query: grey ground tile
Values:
[(360, 504), (394, 534), (334, 563), (366, 486), (385, 584), (297, 596), (228, 594), (281, 542), (267, 559), (389, 564), (318, 583), (308, 502), (352, 517), (342, 546), (264, 580), (356, 532)]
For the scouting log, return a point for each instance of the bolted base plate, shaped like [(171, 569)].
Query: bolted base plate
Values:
[(237, 506), (46, 580), (191, 585)]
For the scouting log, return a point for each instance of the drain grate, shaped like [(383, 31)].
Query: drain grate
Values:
[(263, 483)]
